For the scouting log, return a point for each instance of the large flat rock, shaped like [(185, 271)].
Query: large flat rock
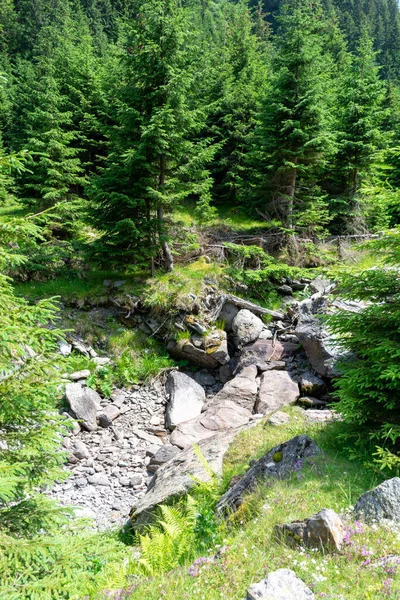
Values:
[(179, 475), (264, 352), (221, 417), (241, 390), (277, 389)]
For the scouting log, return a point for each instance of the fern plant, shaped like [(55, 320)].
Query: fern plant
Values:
[(170, 541)]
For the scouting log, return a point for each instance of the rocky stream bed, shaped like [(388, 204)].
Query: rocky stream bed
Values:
[(134, 449)]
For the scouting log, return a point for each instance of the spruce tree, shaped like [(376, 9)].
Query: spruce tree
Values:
[(155, 161), (361, 116), (43, 125), (293, 140)]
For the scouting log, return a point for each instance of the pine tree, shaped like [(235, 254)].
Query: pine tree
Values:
[(240, 62), (293, 140), (43, 125), (361, 108), (155, 160)]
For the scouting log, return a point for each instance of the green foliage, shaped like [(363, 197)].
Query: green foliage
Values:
[(368, 386)]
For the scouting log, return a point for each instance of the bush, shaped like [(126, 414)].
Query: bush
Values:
[(368, 388)]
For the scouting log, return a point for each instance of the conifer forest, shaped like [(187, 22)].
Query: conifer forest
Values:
[(199, 299)]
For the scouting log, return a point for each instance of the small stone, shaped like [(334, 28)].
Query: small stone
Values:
[(80, 375), (108, 415), (278, 418), (80, 450), (136, 480), (81, 482), (101, 360), (125, 481)]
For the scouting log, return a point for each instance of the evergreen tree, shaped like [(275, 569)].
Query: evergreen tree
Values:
[(293, 140), (155, 160), (241, 65), (361, 110), (42, 124)]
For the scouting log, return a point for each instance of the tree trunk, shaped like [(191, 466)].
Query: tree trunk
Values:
[(292, 191), (355, 181), (167, 254)]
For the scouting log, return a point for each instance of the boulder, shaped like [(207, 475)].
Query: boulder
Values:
[(84, 404), (321, 285), (312, 385), (323, 530), (278, 463), (246, 328), (315, 338), (186, 399), (242, 389), (277, 389), (223, 416), (179, 475), (266, 354), (208, 352), (282, 584), (380, 505)]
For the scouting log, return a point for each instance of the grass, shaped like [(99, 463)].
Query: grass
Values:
[(250, 550), (86, 287), (233, 217), (180, 288)]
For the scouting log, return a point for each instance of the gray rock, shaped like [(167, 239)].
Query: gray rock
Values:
[(277, 389), (321, 285), (309, 402), (80, 450), (312, 385), (164, 454), (204, 378), (380, 505), (179, 475), (64, 348), (80, 375), (315, 338), (228, 314), (225, 373), (282, 584), (323, 530), (186, 399), (266, 334), (108, 415), (84, 403), (246, 328), (223, 416), (278, 418), (136, 480), (186, 350), (100, 361), (99, 479), (278, 463), (263, 353), (242, 389)]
